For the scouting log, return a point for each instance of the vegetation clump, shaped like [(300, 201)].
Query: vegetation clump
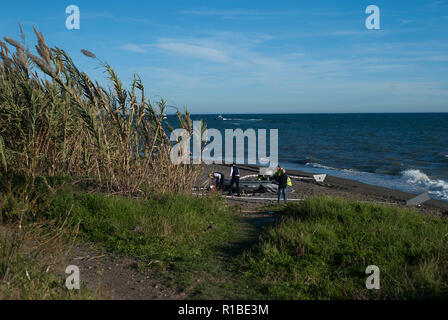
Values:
[(56, 121), (321, 248)]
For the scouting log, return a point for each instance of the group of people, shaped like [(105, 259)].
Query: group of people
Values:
[(234, 179), (280, 176)]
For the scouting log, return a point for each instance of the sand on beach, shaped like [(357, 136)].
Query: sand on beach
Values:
[(333, 186)]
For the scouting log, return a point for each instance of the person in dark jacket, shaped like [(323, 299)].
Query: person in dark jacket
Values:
[(277, 174), (282, 184), (235, 179)]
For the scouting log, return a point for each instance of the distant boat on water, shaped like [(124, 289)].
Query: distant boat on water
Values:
[(220, 117)]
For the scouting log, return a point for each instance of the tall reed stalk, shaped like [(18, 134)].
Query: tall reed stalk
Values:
[(55, 120)]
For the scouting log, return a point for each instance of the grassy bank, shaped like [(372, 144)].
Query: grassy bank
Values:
[(55, 121), (176, 238), (172, 237), (318, 249), (23, 277), (163, 229), (321, 248), (160, 230)]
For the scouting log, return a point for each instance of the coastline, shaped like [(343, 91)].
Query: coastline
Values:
[(341, 187)]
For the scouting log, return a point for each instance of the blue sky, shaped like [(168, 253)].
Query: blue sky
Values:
[(259, 56)]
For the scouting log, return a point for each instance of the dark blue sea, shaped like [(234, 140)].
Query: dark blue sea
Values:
[(407, 152)]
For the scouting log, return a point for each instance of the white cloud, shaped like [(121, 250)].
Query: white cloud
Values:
[(250, 67), (133, 48), (237, 13), (430, 58), (235, 50), (436, 4), (194, 50)]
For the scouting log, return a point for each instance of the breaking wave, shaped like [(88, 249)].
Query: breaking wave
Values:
[(435, 187), (411, 180), (321, 166)]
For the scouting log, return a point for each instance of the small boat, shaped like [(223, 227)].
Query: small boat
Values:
[(220, 117), (260, 186)]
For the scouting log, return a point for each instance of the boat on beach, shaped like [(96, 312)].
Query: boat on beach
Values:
[(256, 186)]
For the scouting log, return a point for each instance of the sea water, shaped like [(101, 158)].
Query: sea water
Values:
[(407, 152)]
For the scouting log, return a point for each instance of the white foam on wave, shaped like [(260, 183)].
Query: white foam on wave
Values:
[(411, 180), (319, 166), (436, 187)]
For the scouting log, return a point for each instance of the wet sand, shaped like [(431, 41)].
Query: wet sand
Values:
[(333, 186)]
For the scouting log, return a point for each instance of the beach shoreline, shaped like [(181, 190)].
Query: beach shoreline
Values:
[(335, 186)]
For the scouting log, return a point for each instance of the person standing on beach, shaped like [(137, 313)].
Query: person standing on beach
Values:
[(235, 179), (282, 184), (277, 174)]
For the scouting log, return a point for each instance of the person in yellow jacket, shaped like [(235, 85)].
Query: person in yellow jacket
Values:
[(289, 182), (277, 175)]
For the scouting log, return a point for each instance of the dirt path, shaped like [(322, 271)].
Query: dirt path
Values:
[(112, 277), (253, 225), (109, 276), (117, 278)]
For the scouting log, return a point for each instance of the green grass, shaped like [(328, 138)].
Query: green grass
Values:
[(179, 237), (27, 279), (321, 248), (165, 228)]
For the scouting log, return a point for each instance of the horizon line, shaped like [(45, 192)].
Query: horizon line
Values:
[(237, 113)]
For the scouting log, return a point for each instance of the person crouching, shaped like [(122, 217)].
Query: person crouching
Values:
[(219, 180)]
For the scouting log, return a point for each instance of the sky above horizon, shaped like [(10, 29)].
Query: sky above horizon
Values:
[(260, 56)]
